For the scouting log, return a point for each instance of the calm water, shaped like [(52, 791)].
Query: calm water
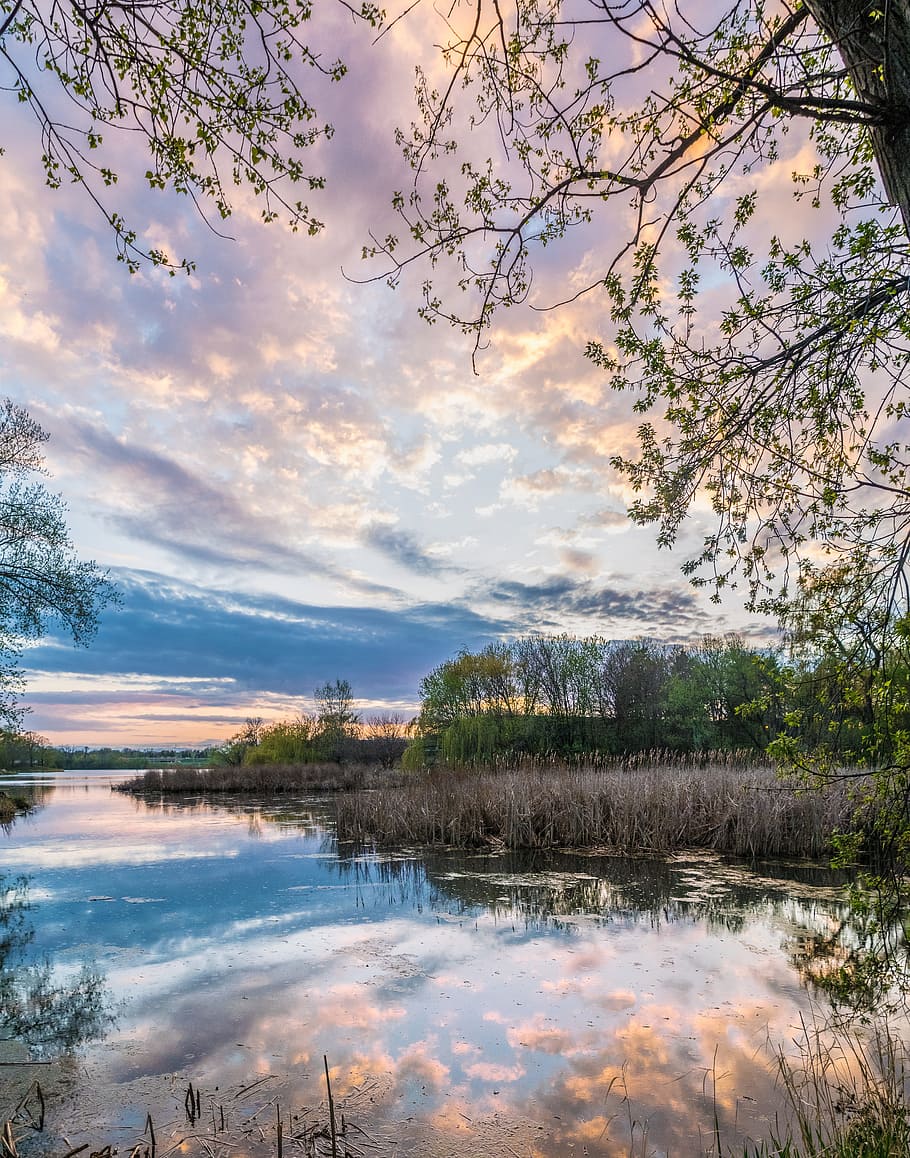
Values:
[(467, 1004)]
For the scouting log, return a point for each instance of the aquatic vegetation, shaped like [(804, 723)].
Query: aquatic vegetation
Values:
[(11, 807), (259, 779), (846, 1091), (208, 1122), (653, 805), (8, 809)]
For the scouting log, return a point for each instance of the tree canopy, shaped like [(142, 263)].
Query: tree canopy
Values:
[(767, 351), (568, 696)]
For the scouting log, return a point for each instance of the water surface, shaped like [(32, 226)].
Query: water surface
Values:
[(467, 1004)]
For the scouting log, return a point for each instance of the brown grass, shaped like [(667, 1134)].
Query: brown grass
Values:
[(12, 806), (259, 779), (641, 806), (8, 809)]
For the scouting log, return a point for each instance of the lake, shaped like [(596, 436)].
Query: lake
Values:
[(467, 1004)]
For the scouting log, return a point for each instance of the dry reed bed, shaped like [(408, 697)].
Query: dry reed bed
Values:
[(8, 809), (12, 806), (259, 779), (654, 808)]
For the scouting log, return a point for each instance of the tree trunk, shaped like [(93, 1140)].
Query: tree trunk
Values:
[(873, 39)]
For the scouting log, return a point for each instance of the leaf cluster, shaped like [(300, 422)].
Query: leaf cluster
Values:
[(214, 91)]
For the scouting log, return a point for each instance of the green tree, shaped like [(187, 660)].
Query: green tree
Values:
[(42, 582), (26, 750), (471, 684), (285, 742), (743, 690), (635, 674), (337, 721), (236, 750), (573, 696)]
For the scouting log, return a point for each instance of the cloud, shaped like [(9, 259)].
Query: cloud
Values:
[(670, 609), (549, 482), (580, 561), (174, 630), (156, 500), (486, 453), (606, 519), (402, 547)]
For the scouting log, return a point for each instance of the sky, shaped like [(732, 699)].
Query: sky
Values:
[(288, 474)]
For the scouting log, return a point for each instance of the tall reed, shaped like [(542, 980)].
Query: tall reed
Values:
[(652, 807), (846, 1091)]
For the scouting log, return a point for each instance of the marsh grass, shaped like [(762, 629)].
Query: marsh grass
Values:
[(213, 1124), (846, 1090), (8, 809), (657, 805), (11, 807), (260, 779)]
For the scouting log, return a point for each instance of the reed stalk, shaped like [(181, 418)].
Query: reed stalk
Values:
[(328, 1087), (847, 1093)]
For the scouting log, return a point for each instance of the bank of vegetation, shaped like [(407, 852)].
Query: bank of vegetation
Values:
[(569, 697), (25, 751), (260, 779), (90, 759), (560, 741), (335, 733), (651, 803), (12, 806)]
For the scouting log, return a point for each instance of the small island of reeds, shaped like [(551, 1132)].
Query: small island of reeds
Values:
[(260, 779)]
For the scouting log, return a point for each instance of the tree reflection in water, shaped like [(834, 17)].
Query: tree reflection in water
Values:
[(857, 965), (47, 1013), (827, 941)]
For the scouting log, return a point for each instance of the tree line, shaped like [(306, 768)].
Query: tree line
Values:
[(335, 733), (565, 695), (21, 750)]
